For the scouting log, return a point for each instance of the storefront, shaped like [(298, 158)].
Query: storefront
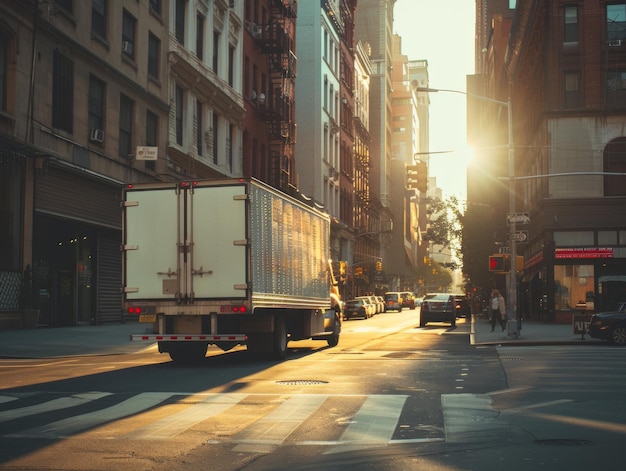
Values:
[(562, 281), (76, 249)]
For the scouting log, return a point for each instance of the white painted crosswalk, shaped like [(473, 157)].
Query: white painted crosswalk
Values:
[(373, 423)]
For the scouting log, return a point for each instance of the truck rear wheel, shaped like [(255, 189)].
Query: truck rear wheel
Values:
[(280, 339), (333, 340)]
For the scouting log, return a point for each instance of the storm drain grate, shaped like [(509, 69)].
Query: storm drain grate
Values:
[(301, 382), (563, 442)]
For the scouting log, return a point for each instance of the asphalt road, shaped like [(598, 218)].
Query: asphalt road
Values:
[(390, 396)]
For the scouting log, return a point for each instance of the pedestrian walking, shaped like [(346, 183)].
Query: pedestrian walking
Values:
[(498, 310)]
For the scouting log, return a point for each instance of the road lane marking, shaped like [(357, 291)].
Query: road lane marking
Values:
[(273, 429), (179, 422), (73, 425), (55, 404), (373, 424)]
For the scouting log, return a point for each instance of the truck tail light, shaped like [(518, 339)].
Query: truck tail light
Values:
[(134, 310), (230, 308)]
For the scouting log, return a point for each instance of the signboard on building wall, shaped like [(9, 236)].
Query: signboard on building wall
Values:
[(593, 252), (147, 153)]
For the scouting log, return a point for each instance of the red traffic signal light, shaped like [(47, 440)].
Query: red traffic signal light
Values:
[(499, 263)]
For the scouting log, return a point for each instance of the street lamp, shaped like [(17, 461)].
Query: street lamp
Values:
[(512, 278)]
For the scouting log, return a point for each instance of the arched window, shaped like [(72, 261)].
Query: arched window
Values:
[(615, 161)]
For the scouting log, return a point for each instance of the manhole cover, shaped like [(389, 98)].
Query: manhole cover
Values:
[(301, 382), (563, 442)]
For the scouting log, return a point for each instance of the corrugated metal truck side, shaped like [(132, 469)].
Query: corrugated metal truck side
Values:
[(226, 263)]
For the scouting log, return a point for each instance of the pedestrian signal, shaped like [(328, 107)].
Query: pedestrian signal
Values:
[(499, 263)]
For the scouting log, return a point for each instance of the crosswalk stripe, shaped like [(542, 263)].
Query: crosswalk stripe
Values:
[(272, 430), (73, 425), (56, 404), (177, 423), (4, 399), (373, 424)]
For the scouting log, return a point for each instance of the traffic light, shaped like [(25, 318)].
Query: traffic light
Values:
[(379, 266), (499, 263), (411, 177), (417, 177), (422, 177)]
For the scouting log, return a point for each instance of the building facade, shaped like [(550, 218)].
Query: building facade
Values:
[(563, 71), (115, 93)]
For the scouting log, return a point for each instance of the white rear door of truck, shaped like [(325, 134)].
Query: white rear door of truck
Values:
[(219, 252), (151, 229)]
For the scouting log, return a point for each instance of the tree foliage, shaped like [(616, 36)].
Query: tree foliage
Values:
[(468, 232), (445, 225)]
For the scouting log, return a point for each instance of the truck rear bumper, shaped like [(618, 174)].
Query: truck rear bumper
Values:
[(240, 338)]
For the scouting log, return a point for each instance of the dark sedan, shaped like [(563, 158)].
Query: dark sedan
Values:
[(438, 307), (356, 308), (609, 326)]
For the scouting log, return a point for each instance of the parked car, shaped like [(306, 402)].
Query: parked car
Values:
[(462, 306), (393, 301), (438, 307), (408, 300), (381, 303), (356, 308), (609, 326), (371, 304)]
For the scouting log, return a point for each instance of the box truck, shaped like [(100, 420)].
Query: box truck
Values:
[(227, 262)]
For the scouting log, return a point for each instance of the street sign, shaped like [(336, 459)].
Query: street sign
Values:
[(518, 218), (519, 236)]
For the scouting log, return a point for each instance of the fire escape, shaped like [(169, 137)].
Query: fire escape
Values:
[(276, 40)]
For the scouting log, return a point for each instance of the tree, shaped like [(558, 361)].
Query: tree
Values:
[(445, 225)]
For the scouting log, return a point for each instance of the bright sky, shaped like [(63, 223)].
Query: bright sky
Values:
[(442, 32)]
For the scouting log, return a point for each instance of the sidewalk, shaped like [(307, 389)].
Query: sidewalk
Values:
[(114, 339), (109, 339), (531, 333)]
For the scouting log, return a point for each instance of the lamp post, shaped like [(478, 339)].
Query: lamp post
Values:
[(512, 278)]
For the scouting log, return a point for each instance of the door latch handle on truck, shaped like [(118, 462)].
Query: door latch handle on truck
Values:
[(169, 273), (201, 272)]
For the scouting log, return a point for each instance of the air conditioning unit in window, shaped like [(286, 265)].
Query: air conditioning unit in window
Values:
[(96, 135), (127, 47)]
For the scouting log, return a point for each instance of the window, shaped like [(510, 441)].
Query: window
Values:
[(152, 133), (615, 161), (571, 80), (200, 37), (95, 112), (570, 24), (62, 92), (231, 64), (229, 150), (155, 6), (126, 126), (179, 115), (215, 137), (4, 52), (616, 22), (216, 50), (98, 18), (180, 21), (128, 34), (154, 45), (199, 127), (152, 129), (66, 5), (616, 87), (573, 284)]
